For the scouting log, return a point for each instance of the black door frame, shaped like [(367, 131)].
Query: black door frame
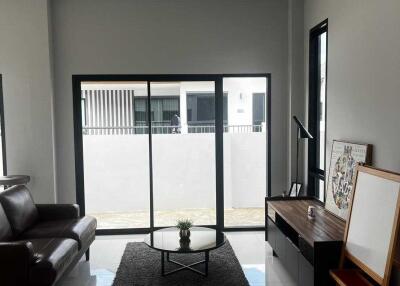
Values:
[(219, 129)]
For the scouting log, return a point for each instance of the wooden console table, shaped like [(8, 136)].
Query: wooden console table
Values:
[(308, 248)]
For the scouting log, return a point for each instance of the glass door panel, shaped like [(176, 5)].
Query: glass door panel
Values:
[(245, 139), (183, 148), (116, 153)]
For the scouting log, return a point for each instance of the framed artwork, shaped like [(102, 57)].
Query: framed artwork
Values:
[(345, 157)]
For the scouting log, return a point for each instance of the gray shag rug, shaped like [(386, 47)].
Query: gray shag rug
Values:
[(141, 266)]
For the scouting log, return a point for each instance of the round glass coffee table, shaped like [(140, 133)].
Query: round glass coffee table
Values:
[(201, 239)]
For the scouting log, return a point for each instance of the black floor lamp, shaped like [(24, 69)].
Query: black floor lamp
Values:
[(302, 133)]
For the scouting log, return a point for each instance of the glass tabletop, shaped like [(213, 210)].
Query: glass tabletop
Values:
[(201, 239)]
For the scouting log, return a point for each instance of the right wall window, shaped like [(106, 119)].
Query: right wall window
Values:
[(317, 109)]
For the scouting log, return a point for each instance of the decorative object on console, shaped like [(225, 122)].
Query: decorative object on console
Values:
[(311, 212), (295, 189), (344, 158), (302, 133)]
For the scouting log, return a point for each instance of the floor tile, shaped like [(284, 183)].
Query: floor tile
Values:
[(254, 254)]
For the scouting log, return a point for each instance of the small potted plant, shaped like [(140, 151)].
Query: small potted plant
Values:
[(184, 226)]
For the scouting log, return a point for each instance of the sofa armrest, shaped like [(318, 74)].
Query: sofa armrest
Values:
[(15, 261), (57, 211)]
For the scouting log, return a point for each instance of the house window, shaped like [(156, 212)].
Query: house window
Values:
[(162, 111), (201, 110), (317, 109)]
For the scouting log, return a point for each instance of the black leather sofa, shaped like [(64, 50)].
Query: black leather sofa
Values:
[(40, 243)]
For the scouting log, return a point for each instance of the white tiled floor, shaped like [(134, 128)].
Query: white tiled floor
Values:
[(254, 254)]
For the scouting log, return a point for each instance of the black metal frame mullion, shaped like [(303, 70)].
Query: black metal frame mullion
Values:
[(3, 129), (219, 152), (150, 155)]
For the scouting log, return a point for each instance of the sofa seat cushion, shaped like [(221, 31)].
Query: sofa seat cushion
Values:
[(19, 208), (82, 230), (54, 255), (5, 227)]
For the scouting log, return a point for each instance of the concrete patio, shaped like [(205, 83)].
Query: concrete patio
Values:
[(139, 219)]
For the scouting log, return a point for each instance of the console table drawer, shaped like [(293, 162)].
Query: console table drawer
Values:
[(292, 259), (271, 231), (307, 250), (271, 214), (306, 272)]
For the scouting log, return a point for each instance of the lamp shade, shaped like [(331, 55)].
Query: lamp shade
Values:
[(303, 131)]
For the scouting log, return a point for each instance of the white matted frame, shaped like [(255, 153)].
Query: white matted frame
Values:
[(373, 224), (342, 169)]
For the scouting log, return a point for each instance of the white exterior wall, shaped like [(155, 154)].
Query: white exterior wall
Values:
[(117, 176)]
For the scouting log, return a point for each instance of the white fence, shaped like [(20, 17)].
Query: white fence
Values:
[(117, 171)]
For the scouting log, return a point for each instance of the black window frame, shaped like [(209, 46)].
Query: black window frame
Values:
[(315, 174)]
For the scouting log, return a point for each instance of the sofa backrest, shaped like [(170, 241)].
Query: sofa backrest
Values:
[(5, 227), (19, 208)]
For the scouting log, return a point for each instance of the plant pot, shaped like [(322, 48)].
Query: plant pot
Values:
[(184, 233), (184, 244)]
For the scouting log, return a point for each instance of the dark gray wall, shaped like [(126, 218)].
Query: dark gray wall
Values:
[(175, 36)]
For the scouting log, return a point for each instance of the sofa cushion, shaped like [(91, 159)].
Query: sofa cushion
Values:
[(19, 208), (5, 227), (54, 257), (82, 230)]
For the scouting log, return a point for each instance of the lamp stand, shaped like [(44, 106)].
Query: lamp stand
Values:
[(297, 159)]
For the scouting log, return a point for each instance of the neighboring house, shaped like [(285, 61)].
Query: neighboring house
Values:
[(122, 109)]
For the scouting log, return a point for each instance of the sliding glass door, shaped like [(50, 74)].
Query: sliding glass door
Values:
[(245, 150), (116, 153), (154, 149), (183, 146)]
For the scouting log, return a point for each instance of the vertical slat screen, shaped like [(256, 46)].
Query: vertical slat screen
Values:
[(109, 112)]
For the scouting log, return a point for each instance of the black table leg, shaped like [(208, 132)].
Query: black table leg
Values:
[(207, 258), (184, 266), (162, 264)]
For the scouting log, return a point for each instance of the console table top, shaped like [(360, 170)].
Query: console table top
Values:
[(324, 227)]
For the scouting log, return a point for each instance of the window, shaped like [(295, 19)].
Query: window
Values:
[(200, 108), (317, 110), (163, 109)]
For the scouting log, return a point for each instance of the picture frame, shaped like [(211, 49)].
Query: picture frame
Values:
[(345, 156), (293, 192)]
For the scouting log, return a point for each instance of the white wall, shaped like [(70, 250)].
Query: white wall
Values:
[(117, 171), (363, 96), (27, 88), (363, 67), (141, 36), (296, 85)]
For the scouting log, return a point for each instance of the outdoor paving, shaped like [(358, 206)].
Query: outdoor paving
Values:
[(140, 219)]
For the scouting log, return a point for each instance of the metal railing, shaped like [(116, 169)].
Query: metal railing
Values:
[(132, 130)]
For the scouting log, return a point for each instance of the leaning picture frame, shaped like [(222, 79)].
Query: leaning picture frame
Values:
[(345, 156)]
